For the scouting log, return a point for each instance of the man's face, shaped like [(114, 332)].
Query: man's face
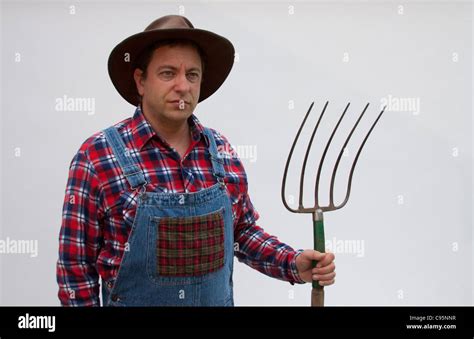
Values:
[(170, 90)]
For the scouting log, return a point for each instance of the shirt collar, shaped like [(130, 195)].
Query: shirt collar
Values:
[(142, 131)]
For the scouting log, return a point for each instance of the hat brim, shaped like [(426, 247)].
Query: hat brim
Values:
[(219, 56)]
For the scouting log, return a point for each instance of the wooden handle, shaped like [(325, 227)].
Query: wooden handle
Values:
[(317, 297)]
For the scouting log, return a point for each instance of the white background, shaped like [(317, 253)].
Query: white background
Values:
[(411, 200)]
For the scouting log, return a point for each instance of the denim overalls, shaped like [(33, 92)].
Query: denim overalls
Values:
[(180, 248)]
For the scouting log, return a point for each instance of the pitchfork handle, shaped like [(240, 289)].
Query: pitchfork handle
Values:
[(317, 294)]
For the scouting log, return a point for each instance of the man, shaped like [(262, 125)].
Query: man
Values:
[(151, 206)]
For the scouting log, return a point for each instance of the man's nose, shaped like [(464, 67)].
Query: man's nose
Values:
[(181, 82)]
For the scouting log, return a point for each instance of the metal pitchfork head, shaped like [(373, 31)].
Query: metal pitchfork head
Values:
[(317, 296)]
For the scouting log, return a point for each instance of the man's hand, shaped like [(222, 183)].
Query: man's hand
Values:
[(324, 271)]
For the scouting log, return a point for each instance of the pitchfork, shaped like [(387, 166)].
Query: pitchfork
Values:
[(317, 294)]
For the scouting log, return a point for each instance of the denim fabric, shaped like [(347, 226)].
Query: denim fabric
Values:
[(138, 282)]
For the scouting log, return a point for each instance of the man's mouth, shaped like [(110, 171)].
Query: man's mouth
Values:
[(179, 101), (180, 104)]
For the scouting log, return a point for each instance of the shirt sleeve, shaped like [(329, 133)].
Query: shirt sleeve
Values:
[(80, 236), (262, 251)]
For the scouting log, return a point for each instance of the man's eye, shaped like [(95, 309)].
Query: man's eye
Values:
[(193, 76), (167, 74)]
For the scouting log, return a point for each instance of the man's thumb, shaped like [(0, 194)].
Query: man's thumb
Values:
[(315, 255)]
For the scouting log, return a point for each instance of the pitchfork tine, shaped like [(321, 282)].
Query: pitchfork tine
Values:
[(333, 177), (316, 191), (349, 184), (289, 159), (308, 149)]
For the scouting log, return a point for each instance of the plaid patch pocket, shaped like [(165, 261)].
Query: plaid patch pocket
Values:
[(190, 246)]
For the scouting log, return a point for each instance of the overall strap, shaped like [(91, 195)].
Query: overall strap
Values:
[(216, 157), (130, 169)]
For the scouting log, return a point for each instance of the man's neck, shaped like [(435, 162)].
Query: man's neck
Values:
[(175, 133)]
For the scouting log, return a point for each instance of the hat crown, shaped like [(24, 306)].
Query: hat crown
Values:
[(169, 22)]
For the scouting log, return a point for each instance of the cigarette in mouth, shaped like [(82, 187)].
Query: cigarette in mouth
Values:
[(181, 104)]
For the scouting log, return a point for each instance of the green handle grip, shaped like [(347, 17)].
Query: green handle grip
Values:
[(317, 298)]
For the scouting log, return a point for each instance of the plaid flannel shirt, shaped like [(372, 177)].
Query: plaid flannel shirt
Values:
[(99, 207)]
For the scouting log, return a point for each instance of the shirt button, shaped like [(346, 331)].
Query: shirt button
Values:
[(115, 297), (110, 284)]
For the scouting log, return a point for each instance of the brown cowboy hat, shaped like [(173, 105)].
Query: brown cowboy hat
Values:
[(218, 50)]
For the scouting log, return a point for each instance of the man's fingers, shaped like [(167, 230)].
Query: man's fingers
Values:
[(326, 283), (324, 270), (324, 277), (323, 259)]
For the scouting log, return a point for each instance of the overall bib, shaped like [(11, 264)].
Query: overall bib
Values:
[(180, 248)]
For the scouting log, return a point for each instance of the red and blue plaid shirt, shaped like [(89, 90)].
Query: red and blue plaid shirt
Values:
[(99, 207)]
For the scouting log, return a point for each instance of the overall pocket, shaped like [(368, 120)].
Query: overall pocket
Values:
[(186, 249)]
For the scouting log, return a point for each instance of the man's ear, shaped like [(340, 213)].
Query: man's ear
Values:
[(138, 76)]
